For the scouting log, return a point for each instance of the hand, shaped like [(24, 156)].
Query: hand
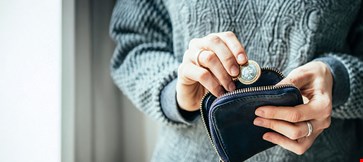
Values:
[(208, 65), (315, 83)]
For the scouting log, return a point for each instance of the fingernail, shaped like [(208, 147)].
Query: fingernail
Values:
[(234, 70), (258, 122), (259, 112), (231, 86), (240, 58)]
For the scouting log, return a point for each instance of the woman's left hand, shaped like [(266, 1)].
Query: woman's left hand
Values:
[(315, 83)]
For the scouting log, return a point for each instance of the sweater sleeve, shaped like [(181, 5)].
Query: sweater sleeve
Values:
[(143, 63), (347, 71)]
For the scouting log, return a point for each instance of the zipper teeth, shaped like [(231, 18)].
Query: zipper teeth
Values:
[(205, 125), (255, 89), (260, 88), (244, 90), (274, 70)]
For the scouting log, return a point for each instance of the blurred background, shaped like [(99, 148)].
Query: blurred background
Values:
[(57, 100)]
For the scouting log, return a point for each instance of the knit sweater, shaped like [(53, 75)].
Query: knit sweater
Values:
[(152, 36)]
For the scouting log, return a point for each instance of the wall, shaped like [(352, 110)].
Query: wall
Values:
[(30, 83)]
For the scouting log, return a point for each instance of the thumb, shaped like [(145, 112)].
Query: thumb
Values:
[(297, 77)]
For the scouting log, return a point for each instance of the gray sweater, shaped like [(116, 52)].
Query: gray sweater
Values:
[(152, 36)]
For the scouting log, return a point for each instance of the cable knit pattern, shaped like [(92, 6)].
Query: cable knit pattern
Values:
[(143, 62), (152, 36)]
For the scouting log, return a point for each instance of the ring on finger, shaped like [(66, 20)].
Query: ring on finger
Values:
[(197, 58), (310, 128)]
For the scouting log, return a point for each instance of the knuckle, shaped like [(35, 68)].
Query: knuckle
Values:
[(296, 134), (295, 116), (270, 114), (215, 88), (205, 75), (269, 124), (214, 39), (229, 34), (300, 150), (208, 58), (229, 59), (224, 80)]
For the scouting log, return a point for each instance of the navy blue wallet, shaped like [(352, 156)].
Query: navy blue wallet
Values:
[(229, 118)]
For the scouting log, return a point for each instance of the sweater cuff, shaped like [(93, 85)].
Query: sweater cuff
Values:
[(170, 107), (341, 83)]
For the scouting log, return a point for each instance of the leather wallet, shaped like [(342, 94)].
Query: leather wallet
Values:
[(229, 118)]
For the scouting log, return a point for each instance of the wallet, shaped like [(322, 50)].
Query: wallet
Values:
[(229, 118)]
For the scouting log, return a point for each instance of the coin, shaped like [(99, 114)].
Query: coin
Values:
[(249, 73)]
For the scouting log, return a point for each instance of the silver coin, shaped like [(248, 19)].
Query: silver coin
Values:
[(249, 73)]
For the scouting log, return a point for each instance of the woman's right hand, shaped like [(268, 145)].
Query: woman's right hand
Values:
[(208, 65)]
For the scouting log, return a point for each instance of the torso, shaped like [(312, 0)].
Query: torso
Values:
[(275, 33)]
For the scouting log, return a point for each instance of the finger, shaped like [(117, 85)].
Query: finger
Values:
[(235, 46), (194, 73), (216, 44), (316, 109), (290, 130), (291, 114), (298, 77), (209, 60), (299, 146)]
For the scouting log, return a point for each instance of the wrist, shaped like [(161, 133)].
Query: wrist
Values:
[(187, 98), (340, 79), (170, 107)]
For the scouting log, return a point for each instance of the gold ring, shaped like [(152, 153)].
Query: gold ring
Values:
[(197, 58)]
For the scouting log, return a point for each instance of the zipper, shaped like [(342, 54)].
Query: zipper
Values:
[(274, 70), (205, 126), (254, 89), (238, 91)]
